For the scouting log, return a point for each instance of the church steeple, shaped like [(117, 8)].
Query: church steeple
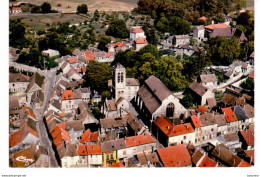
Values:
[(119, 81)]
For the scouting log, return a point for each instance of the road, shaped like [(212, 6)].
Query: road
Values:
[(42, 131)]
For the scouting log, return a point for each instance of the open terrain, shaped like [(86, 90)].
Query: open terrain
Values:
[(101, 5)]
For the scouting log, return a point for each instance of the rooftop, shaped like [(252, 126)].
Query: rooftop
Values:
[(229, 114), (139, 140)]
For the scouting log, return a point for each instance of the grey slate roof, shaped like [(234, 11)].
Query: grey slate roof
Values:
[(240, 113), (152, 93), (18, 77), (208, 78), (113, 122), (207, 119), (113, 145), (132, 82), (198, 88)]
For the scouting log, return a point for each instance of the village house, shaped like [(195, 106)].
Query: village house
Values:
[(109, 151), (247, 138), (208, 80), (24, 137), (16, 10), (69, 156), (228, 33), (50, 53), (231, 140), (55, 105), (137, 144), (90, 155), (122, 86), (222, 124), (175, 156), (118, 125), (199, 32), (75, 129), (209, 127), (73, 74), (242, 118), (224, 157), (179, 40), (65, 67), (85, 94), (200, 159), (85, 114), (139, 43), (186, 49), (68, 103), (136, 32), (37, 99), (36, 83), (89, 137), (154, 99), (134, 126), (18, 82), (171, 135), (196, 124), (231, 119), (149, 160), (114, 109), (201, 93)]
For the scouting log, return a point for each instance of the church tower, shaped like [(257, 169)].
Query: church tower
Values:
[(119, 81)]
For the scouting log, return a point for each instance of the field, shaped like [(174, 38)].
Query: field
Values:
[(249, 3), (101, 5), (39, 21)]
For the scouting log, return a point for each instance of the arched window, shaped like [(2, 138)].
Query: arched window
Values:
[(118, 77), (122, 77), (170, 110)]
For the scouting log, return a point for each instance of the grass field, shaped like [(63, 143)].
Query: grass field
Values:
[(39, 21), (102, 5)]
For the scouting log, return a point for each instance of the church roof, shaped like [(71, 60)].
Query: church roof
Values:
[(153, 92)]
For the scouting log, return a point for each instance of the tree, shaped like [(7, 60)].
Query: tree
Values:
[(187, 100), (223, 51), (36, 9), (97, 76), (17, 33), (117, 28), (46, 7), (83, 9), (248, 84), (96, 15), (103, 41)]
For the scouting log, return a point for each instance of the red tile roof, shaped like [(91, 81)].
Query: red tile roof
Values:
[(203, 18), (50, 119), (116, 165), (202, 109), (73, 60), (16, 8), (229, 114), (90, 56), (59, 135), (15, 138), (244, 164), (170, 130), (248, 137), (207, 162), (89, 136), (251, 154), (141, 41), (67, 95), (107, 54), (29, 111), (196, 122), (118, 44), (93, 149), (24, 156), (221, 25), (252, 74), (175, 156), (136, 30), (89, 149), (82, 150), (139, 140)]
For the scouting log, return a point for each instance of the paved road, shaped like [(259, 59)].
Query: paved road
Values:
[(42, 131)]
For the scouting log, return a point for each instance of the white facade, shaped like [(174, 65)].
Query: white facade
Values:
[(68, 105), (18, 86), (199, 32), (50, 53), (208, 94), (180, 139), (139, 46), (137, 34), (131, 151), (178, 110)]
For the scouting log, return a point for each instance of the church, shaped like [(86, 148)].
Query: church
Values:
[(154, 99), (122, 86)]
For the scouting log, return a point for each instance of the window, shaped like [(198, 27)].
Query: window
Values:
[(124, 152), (184, 137), (122, 77), (107, 156), (111, 156), (170, 110), (118, 77)]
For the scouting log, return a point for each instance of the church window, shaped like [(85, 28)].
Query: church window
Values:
[(118, 77), (170, 110), (122, 77)]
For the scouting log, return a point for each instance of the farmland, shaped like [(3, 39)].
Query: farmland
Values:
[(101, 5)]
